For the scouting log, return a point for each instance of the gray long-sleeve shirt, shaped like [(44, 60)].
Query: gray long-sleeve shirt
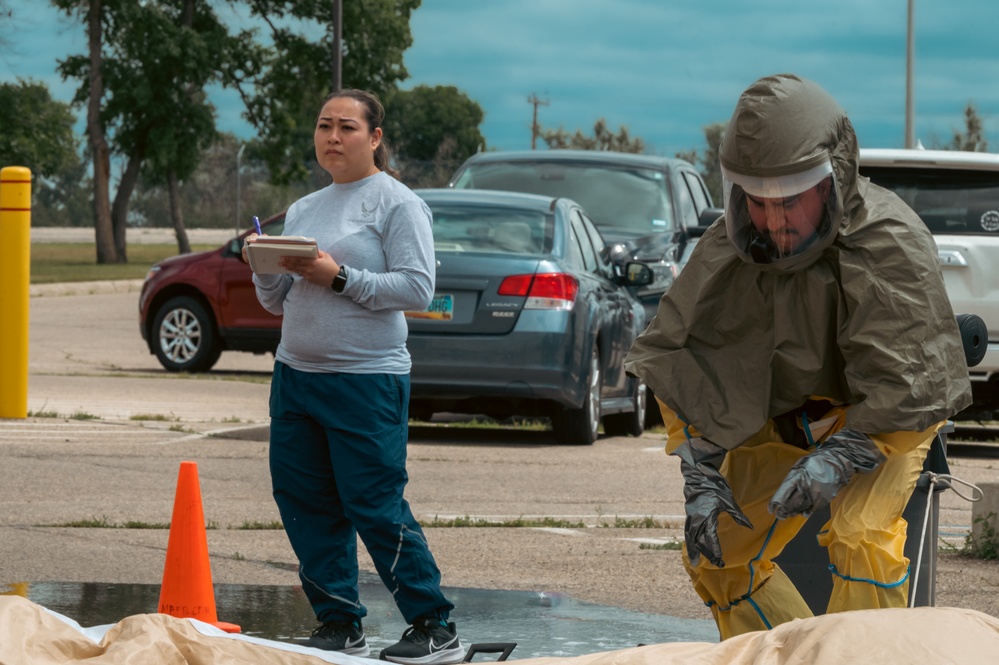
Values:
[(379, 230)]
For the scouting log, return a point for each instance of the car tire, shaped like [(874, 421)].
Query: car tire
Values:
[(653, 416), (420, 413), (580, 427), (630, 423), (184, 336)]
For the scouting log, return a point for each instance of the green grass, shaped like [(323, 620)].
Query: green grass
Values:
[(131, 524), (640, 523), (103, 523), (181, 428), (460, 522), (660, 546), (77, 262), (986, 544), (92, 523), (261, 526), (547, 522), (152, 416)]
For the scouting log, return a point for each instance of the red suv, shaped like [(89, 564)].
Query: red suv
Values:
[(195, 306)]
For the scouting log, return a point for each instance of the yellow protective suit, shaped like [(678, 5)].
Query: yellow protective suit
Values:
[(865, 535)]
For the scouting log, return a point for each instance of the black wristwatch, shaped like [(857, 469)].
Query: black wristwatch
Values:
[(340, 280)]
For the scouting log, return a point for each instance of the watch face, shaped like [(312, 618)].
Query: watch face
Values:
[(340, 280)]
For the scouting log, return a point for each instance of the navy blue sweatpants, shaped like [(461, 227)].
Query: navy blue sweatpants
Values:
[(338, 470)]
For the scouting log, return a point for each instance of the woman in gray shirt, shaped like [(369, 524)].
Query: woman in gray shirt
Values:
[(339, 400)]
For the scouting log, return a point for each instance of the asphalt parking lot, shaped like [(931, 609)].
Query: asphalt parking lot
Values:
[(109, 428)]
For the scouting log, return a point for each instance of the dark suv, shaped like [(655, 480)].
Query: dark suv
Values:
[(648, 208)]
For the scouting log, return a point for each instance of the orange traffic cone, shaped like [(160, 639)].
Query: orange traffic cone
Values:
[(187, 577)]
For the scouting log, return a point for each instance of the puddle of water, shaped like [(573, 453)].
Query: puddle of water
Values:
[(542, 624)]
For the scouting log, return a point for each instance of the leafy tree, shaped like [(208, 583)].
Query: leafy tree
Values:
[(297, 77), (973, 138), (603, 139), (64, 200), (688, 156), (176, 123), (38, 133), (100, 152), (148, 63), (89, 69), (709, 164), (430, 123), (153, 61), (37, 130)]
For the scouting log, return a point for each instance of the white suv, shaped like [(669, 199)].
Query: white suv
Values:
[(957, 196)]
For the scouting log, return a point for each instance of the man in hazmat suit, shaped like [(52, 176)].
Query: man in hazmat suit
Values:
[(805, 358)]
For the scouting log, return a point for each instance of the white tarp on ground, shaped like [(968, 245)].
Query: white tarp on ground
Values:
[(31, 634)]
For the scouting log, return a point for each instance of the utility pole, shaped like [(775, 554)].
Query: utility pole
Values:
[(239, 185), (337, 44), (535, 130), (910, 130)]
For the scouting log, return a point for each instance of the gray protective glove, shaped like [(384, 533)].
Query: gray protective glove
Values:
[(707, 494), (816, 478)]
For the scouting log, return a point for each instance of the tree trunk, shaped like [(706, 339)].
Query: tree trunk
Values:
[(103, 235), (187, 15), (183, 244), (119, 211)]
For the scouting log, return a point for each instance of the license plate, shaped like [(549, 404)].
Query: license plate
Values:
[(441, 309)]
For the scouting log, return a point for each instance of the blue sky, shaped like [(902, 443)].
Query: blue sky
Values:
[(663, 68)]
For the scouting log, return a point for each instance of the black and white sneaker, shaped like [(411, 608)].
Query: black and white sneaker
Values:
[(429, 641), (343, 636)]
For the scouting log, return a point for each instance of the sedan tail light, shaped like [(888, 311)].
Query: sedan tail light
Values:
[(544, 291)]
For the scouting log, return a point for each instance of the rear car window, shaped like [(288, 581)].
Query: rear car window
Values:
[(459, 228), (949, 201), (630, 199)]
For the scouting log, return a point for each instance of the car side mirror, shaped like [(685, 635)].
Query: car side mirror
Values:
[(974, 337), (637, 274)]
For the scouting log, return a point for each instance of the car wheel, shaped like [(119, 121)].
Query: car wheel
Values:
[(581, 426), (653, 416), (631, 423), (184, 336), (420, 413)]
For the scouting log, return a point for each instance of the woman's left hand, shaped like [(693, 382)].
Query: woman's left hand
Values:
[(320, 270)]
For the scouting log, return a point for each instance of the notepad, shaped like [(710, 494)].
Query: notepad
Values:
[(265, 252)]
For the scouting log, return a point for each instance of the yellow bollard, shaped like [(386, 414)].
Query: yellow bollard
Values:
[(15, 274)]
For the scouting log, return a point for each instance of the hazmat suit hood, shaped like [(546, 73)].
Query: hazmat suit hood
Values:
[(858, 314), (785, 135)]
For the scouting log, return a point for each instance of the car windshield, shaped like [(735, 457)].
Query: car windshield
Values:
[(949, 201), (466, 228), (632, 200)]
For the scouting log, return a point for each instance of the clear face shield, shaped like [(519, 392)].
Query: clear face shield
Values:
[(774, 218)]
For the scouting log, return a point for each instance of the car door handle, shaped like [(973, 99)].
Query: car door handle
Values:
[(952, 258)]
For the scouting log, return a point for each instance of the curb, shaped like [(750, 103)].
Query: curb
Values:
[(85, 288)]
